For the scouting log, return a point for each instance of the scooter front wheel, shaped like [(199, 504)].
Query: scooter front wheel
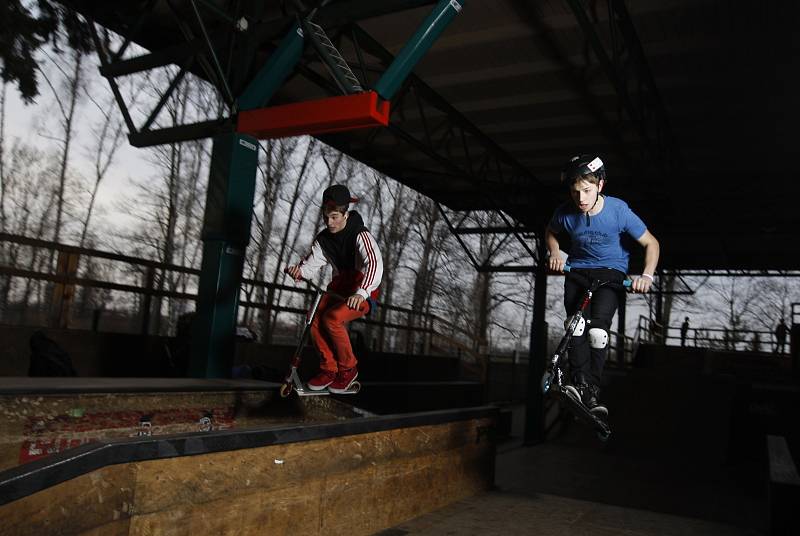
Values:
[(547, 381), (286, 390)]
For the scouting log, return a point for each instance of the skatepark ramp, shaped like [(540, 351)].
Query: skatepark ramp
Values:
[(352, 476)]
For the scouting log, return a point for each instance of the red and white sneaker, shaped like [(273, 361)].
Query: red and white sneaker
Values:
[(321, 380), (344, 380)]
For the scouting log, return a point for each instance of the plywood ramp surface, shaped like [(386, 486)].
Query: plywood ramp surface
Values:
[(356, 484)]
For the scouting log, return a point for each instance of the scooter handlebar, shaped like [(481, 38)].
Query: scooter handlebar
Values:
[(317, 288), (627, 283)]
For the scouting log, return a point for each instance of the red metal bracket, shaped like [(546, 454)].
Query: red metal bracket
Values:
[(333, 114)]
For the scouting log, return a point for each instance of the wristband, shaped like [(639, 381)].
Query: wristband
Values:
[(648, 276)]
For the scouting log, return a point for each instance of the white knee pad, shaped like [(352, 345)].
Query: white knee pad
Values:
[(579, 328), (598, 338)]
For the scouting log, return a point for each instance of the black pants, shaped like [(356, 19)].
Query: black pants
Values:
[(586, 363)]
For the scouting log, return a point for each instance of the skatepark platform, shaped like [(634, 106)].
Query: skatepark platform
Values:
[(43, 416), (687, 457), (355, 476)]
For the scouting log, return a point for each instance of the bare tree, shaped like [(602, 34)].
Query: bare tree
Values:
[(393, 206), (293, 201), (27, 180), (3, 159), (170, 207), (68, 97), (431, 238), (275, 159), (108, 136)]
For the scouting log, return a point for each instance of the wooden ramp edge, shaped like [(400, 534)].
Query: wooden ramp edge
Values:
[(354, 477)]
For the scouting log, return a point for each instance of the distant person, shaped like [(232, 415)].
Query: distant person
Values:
[(780, 336), (595, 224), (684, 330), (351, 250)]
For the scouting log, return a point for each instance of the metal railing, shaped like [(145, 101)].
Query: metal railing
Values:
[(90, 287), (727, 339)]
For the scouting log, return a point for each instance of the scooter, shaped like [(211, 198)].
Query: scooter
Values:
[(292, 382), (552, 379)]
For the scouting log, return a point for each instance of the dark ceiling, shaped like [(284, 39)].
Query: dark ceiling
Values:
[(698, 132)]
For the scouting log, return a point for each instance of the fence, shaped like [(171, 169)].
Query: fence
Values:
[(737, 340), (92, 288)]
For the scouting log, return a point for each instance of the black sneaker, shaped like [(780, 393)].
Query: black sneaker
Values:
[(576, 391), (591, 399)]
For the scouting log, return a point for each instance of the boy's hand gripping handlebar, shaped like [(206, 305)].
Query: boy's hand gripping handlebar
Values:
[(316, 287), (627, 283)]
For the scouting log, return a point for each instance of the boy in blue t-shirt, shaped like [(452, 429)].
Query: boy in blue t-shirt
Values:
[(595, 224)]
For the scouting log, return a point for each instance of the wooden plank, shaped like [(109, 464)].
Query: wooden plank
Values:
[(100, 502), (354, 484), (357, 484)]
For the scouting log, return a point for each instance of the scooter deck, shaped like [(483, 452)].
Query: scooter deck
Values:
[(294, 383), (581, 412), (305, 391)]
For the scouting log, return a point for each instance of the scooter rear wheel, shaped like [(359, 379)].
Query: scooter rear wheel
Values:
[(286, 390)]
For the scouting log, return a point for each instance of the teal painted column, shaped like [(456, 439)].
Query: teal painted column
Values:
[(226, 232), (274, 73), (416, 47)]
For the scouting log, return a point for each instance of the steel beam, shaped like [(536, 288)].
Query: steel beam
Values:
[(176, 54), (453, 144), (417, 46), (731, 273), (193, 131), (646, 111)]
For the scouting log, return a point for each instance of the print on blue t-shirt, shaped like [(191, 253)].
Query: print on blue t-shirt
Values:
[(598, 244)]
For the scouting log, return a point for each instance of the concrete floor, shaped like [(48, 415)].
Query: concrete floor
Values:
[(669, 469), (506, 513), (560, 489)]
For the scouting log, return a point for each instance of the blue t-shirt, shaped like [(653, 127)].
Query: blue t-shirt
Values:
[(598, 243)]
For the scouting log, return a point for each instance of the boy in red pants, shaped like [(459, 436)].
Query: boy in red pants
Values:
[(352, 252)]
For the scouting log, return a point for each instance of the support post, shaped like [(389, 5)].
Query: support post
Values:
[(534, 407), (226, 232), (147, 301), (794, 348), (661, 331), (623, 300), (63, 293)]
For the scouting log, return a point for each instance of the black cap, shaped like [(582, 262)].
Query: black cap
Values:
[(337, 195)]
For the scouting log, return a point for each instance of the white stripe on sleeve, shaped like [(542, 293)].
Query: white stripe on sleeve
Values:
[(371, 263)]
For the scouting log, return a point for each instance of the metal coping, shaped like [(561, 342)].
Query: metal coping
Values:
[(91, 385), (27, 479), (135, 386)]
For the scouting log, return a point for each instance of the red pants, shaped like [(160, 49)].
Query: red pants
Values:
[(329, 333)]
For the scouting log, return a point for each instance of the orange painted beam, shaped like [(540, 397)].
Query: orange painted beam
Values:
[(333, 114)]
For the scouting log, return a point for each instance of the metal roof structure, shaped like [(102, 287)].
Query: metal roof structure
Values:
[(691, 104)]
